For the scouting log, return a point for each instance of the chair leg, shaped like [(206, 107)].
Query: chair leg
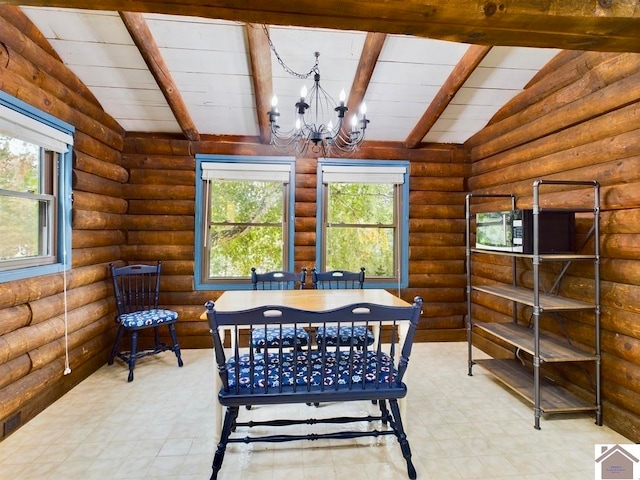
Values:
[(176, 347), (384, 412), (116, 345), (132, 354), (227, 427), (402, 438), (156, 339)]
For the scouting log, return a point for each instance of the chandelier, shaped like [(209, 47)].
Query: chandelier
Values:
[(313, 127)]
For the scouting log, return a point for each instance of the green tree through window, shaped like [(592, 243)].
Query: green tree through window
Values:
[(246, 227), (21, 216), (361, 228)]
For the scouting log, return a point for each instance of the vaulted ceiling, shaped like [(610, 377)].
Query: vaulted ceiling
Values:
[(212, 72)]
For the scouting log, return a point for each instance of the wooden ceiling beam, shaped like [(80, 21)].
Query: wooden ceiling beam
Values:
[(567, 24), (145, 42), (370, 52), (260, 54), (460, 73)]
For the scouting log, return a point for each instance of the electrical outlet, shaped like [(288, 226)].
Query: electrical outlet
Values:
[(12, 423)]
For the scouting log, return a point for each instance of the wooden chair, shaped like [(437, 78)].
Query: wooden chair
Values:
[(361, 336), (278, 280), (137, 289), (272, 337), (337, 279)]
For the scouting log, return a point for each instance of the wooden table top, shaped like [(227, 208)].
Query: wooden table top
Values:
[(310, 299)]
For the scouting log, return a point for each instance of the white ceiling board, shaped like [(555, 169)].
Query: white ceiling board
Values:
[(193, 33), (478, 96), (125, 57), (91, 26), (519, 57), (126, 96), (499, 78), (391, 109), (151, 126), (475, 112), (226, 120), (117, 78), (406, 49)]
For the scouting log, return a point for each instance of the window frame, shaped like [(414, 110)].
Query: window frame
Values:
[(402, 243), (23, 121), (240, 283)]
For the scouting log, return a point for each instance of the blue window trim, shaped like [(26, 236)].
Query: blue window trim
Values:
[(64, 195), (205, 158), (404, 221)]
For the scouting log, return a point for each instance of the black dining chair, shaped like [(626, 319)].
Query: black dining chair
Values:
[(272, 337), (361, 336), (137, 290)]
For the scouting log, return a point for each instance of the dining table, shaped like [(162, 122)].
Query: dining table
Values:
[(305, 299)]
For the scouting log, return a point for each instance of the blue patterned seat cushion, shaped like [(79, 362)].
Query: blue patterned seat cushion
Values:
[(295, 368), (361, 336), (147, 318), (290, 337)]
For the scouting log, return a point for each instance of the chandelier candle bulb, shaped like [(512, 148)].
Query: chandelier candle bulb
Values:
[(273, 113), (354, 123)]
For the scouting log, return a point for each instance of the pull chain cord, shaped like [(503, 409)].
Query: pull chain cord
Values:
[(67, 367)]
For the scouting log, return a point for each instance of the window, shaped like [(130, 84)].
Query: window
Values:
[(35, 191), (364, 212), (244, 210)]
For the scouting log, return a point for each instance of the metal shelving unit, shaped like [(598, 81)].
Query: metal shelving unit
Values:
[(525, 378)]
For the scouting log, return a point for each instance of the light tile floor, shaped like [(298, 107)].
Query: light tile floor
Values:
[(160, 427)]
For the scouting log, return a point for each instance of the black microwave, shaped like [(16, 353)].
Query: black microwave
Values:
[(512, 231)]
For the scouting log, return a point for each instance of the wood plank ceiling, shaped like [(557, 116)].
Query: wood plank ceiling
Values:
[(157, 71)]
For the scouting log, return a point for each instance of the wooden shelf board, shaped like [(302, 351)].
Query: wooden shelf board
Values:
[(548, 257), (525, 296), (552, 349), (553, 398)]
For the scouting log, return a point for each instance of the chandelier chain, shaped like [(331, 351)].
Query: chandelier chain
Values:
[(284, 66)]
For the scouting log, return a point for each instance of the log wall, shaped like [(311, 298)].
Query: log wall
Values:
[(579, 120), (32, 315), (160, 223)]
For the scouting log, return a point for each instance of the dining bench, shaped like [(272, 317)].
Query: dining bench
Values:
[(317, 374)]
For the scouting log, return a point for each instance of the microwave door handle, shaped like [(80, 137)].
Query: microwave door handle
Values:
[(504, 230)]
